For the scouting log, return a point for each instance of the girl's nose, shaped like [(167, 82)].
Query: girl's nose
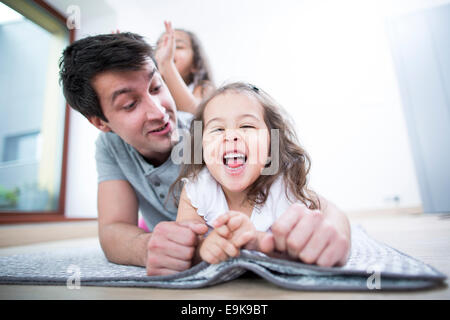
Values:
[(231, 135)]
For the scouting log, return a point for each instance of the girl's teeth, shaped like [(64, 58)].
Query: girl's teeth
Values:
[(234, 155)]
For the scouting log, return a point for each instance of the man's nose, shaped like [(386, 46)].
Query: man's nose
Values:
[(153, 109)]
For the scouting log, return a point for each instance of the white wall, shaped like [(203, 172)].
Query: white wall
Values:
[(327, 62), (81, 190)]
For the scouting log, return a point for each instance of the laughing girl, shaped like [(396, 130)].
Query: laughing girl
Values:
[(244, 183)]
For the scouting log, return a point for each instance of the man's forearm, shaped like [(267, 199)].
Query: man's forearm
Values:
[(125, 244)]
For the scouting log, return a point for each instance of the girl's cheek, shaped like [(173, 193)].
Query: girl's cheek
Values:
[(258, 143), (211, 150)]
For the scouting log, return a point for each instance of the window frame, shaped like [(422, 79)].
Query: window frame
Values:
[(14, 217)]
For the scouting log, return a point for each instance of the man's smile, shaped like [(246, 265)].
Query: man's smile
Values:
[(162, 129)]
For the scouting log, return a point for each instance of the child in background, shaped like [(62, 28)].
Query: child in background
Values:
[(228, 190), (184, 67), (185, 70)]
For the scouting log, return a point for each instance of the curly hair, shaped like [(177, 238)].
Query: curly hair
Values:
[(294, 162)]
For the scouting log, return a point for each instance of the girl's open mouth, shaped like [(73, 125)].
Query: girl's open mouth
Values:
[(234, 162)]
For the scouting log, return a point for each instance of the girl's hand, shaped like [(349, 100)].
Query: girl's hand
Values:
[(263, 242), (165, 50), (216, 248), (239, 225)]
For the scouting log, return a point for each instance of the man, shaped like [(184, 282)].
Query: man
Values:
[(113, 81)]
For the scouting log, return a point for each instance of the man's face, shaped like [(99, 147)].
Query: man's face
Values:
[(139, 109)]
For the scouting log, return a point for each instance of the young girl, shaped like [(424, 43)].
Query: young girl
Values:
[(228, 189), (184, 67)]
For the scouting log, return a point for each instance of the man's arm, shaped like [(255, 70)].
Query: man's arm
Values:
[(168, 249), (121, 240)]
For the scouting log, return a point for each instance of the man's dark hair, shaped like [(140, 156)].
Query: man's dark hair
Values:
[(87, 57)]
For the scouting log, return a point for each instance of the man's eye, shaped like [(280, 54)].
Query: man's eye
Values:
[(130, 106), (156, 89)]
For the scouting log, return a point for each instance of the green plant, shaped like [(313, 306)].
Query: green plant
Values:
[(9, 197)]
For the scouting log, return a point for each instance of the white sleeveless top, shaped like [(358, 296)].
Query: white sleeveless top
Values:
[(207, 196), (191, 87)]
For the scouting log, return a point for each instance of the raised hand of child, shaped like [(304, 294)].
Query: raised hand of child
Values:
[(216, 248), (165, 50)]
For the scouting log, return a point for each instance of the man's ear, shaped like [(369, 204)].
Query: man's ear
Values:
[(99, 123)]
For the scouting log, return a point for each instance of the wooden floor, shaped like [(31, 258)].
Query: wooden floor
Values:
[(425, 237)]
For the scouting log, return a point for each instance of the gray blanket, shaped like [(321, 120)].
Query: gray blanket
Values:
[(371, 266)]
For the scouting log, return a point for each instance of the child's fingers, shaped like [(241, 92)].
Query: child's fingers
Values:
[(266, 242), (226, 247), (216, 249), (162, 42), (235, 222), (169, 29), (223, 231), (212, 253), (169, 23), (222, 219), (242, 239), (219, 252), (207, 255), (230, 249)]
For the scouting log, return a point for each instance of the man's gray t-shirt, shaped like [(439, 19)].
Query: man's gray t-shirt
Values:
[(117, 160)]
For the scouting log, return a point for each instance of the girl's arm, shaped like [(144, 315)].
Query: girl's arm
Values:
[(186, 212), (184, 99), (214, 248), (203, 90)]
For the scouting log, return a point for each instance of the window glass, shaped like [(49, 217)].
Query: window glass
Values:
[(32, 112)]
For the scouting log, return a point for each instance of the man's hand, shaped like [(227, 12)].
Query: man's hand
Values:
[(172, 246), (311, 236)]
